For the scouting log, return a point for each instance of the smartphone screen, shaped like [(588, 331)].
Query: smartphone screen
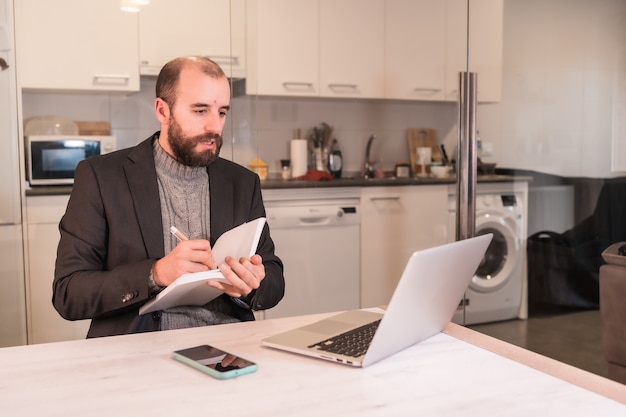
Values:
[(214, 361)]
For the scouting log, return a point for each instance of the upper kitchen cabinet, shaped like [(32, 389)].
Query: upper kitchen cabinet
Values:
[(283, 47), (76, 45), (352, 46), (212, 28), (485, 46), (316, 48), (415, 54), (426, 48)]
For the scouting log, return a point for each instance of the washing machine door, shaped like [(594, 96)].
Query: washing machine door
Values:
[(502, 256)]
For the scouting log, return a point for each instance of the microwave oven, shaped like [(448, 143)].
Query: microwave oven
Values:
[(52, 160)]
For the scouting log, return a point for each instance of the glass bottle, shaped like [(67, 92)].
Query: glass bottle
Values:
[(335, 162)]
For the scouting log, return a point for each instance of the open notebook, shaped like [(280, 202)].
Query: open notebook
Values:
[(192, 289), (427, 295)]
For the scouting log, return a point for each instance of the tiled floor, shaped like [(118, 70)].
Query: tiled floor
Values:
[(573, 337)]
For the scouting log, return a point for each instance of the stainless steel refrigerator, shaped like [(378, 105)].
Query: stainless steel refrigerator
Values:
[(12, 284)]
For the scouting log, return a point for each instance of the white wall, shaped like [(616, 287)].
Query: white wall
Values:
[(564, 94)]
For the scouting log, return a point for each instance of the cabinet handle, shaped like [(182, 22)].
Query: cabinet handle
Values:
[(298, 86), (224, 59), (304, 221), (3, 64), (426, 90), (111, 79), (390, 198), (334, 87)]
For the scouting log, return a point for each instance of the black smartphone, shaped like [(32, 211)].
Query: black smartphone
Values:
[(215, 362)]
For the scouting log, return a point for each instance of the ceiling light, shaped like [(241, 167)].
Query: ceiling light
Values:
[(140, 2), (128, 6)]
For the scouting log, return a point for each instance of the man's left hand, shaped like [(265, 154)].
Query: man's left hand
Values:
[(244, 275)]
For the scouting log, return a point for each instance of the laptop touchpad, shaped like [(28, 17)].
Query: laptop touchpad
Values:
[(329, 327)]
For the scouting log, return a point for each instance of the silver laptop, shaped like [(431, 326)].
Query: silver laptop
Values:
[(427, 295)]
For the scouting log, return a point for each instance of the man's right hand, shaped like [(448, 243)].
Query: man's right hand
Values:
[(187, 257)]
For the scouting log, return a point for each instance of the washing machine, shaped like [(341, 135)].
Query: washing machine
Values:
[(498, 290)]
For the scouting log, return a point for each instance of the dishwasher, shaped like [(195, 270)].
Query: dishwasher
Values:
[(317, 236)]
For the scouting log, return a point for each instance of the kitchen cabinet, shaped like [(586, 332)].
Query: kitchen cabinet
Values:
[(12, 299), (12, 292), (316, 48), (426, 48), (283, 47), (415, 49), (212, 28), (485, 46), (395, 222), (76, 45), (351, 50), (45, 323)]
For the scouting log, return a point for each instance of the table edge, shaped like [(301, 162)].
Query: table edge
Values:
[(584, 379)]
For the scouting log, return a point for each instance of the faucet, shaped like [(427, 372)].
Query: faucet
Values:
[(369, 168)]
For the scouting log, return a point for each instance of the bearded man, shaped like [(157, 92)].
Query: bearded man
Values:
[(116, 251)]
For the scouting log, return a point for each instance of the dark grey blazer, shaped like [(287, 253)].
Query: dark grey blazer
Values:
[(112, 233)]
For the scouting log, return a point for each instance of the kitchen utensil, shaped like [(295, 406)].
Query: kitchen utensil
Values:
[(486, 168), (422, 138), (444, 155), (424, 159), (94, 128), (285, 168), (403, 170), (440, 171)]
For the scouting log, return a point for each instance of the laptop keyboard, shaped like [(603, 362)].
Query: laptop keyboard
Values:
[(352, 343)]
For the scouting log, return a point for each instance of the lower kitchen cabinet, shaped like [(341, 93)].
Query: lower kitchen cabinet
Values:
[(44, 322), (13, 327), (395, 222)]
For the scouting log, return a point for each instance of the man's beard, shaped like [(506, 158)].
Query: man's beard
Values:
[(184, 147)]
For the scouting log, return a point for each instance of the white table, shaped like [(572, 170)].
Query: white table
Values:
[(458, 372)]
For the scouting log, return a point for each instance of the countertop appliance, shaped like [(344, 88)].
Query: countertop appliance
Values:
[(52, 159), (12, 288), (317, 236)]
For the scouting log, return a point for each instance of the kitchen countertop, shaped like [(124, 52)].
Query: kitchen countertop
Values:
[(279, 183), (381, 182)]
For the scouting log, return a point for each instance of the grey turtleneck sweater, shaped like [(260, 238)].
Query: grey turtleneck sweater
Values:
[(184, 194)]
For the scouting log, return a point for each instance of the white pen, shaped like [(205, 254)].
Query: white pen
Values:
[(179, 235)]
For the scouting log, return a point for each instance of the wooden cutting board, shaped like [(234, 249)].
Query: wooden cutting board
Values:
[(421, 137), (94, 128)]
